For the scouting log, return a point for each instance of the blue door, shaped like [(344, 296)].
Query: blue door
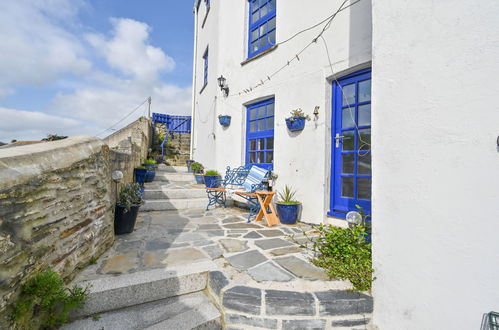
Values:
[(351, 144), (260, 134)]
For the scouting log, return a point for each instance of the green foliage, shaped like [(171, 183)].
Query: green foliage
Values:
[(150, 161), (344, 253), (93, 260), (197, 167), (54, 137), (286, 196), (141, 167), (45, 298), (212, 173), (299, 113), (130, 194)]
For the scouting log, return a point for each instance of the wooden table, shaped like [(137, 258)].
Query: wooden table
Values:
[(265, 200)]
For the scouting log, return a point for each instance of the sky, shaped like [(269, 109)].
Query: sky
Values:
[(76, 67)]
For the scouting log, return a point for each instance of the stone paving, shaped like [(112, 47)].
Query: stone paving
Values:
[(264, 279)]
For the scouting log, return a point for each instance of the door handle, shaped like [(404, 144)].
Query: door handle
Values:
[(338, 138)]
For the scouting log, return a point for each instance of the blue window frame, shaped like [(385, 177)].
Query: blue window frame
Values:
[(351, 175), (207, 2), (205, 58), (262, 27), (260, 134)]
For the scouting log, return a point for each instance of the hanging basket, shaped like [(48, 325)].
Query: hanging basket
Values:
[(224, 120), (295, 123)]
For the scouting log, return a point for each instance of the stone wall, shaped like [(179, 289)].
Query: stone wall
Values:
[(56, 208), (133, 139)]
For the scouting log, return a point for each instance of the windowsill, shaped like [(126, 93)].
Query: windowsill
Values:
[(205, 17), (202, 88), (265, 52)]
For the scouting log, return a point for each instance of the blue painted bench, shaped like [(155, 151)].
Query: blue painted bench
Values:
[(244, 181)]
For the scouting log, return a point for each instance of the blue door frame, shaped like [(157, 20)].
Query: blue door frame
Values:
[(351, 175)]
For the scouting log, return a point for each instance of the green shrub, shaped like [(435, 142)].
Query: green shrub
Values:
[(150, 161), (286, 196), (130, 194), (197, 167), (344, 253), (45, 300), (212, 173)]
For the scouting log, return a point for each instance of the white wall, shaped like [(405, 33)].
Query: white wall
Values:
[(301, 160), (435, 163)]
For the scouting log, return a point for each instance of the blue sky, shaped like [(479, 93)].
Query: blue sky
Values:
[(74, 67)]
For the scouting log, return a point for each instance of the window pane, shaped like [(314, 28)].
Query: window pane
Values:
[(348, 140), (347, 187), (254, 46), (348, 163), (261, 112), (263, 29), (269, 157), (256, 16), (348, 118), (270, 109), (261, 144), (272, 37), (253, 114), (270, 123), (253, 126), (271, 23), (261, 124), (364, 163), (254, 35), (261, 157), (253, 145), (348, 94), (365, 115), (262, 42), (365, 91), (365, 139), (270, 143), (264, 10), (272, 4), (364, 188), (252, 157)]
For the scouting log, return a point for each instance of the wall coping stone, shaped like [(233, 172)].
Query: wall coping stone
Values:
[(22, 163)]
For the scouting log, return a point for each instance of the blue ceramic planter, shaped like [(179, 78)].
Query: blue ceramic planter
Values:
[(212, 181), (188, 163), (140, 175), (224, 120), (150, 175), (295, 123), (288, 214), (199, 178)]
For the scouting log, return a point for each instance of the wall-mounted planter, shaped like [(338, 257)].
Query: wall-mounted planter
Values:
[(224, 120), (295, 123)]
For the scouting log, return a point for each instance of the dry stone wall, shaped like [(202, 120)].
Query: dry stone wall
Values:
[(56, 209)]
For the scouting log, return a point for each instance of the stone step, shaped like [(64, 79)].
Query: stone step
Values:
[(174, 204), (174, 177), (162, 168), (190, 311), (165, 193), (115, 292)]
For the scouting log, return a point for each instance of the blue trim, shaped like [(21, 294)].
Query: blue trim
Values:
[(266, 118), (267, 37), (339, 205), (205, 58)]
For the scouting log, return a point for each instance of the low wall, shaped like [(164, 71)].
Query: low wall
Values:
[(133, 139), (56, 208)]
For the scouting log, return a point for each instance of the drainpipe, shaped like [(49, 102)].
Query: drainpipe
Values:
[(194, 72)]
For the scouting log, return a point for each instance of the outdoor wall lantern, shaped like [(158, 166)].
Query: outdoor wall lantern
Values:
[(222, 83)]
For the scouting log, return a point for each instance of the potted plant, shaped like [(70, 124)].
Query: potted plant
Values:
[(140, 175), (224, 120), (189, 162), (150, 164), (212, 179), (127, 208), (297, 120), (197, 169), (287, 207)]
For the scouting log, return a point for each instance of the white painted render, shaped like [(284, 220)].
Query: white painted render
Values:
[(435, 163), (302, 159)]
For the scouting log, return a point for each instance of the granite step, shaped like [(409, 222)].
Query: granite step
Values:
[(174, 177), (115, 292), (174, 204), (190, 311), (162, 168), (165, 193)]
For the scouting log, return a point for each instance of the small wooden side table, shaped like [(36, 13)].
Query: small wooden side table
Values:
[(265, 200)]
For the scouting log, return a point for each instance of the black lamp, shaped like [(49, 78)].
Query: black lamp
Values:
[(223, 86)]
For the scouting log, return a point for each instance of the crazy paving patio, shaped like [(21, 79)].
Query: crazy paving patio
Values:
[(256, 277)]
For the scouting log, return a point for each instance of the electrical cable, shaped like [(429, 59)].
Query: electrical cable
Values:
[(128, 115)]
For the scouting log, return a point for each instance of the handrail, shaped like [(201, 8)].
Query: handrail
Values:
[(163, 146)]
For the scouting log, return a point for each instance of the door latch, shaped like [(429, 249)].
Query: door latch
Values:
[(338, 138)]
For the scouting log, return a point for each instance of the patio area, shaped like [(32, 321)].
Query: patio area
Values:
[(261, 279)]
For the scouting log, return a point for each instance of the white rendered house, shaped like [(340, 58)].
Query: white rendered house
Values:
[(245, 42)]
